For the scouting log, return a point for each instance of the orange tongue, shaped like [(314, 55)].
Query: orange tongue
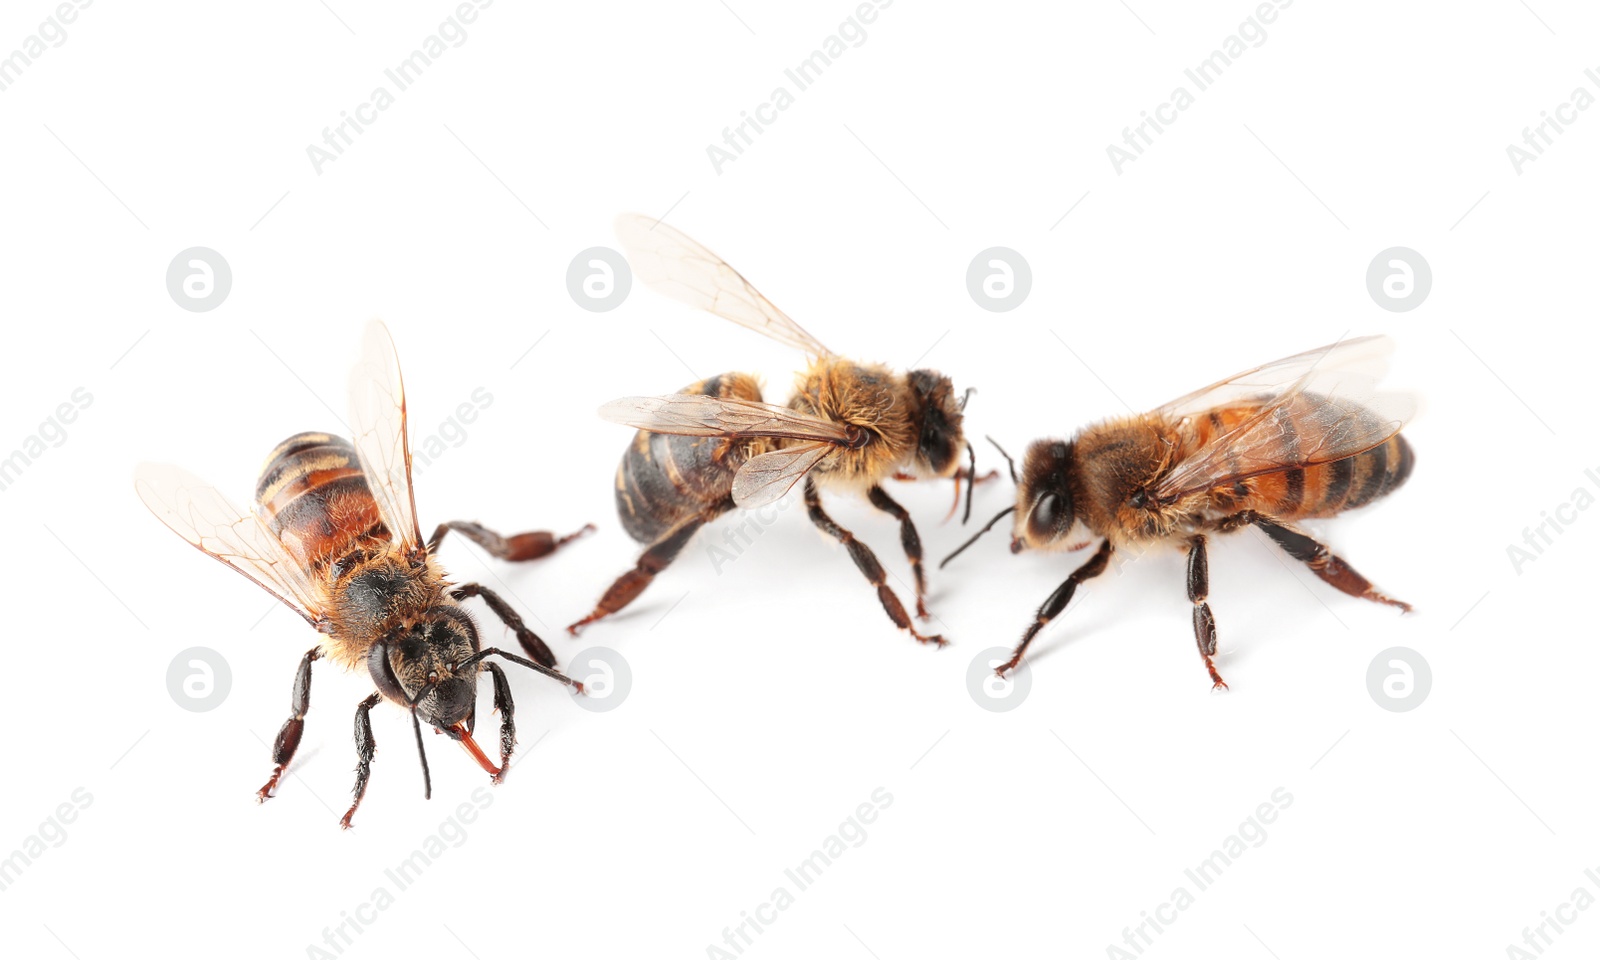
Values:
[(471, 746)]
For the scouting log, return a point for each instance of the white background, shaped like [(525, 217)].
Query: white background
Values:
[(775, 697)]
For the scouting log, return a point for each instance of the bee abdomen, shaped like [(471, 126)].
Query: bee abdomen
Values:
[(1378, 471), (664, 479), (1356, 481), (313, 495)]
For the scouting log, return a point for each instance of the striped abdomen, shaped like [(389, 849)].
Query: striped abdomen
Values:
[(665, 479), (314, 497), (1314, 491)]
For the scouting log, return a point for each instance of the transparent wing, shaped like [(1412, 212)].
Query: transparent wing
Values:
[(204, 517), (682, 269), (1365, 357), (693, 415), (765, 479), (1312, 408), (378, 411)]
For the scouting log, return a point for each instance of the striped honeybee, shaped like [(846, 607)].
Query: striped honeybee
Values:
[(1305, 437), (715, 444), (334, 536)]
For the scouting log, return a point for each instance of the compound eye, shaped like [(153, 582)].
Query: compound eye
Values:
[(1046, 513)]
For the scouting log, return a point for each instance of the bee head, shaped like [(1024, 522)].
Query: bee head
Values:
[(1045, 515), (940, 440), (420, 666)]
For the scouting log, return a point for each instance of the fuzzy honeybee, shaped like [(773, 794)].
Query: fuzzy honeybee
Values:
[(334, 536), (715, 444), (1307, 436)]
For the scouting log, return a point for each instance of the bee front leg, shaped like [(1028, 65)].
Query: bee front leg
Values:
[(520, 546), (508, 727), (530, 641), (289, 734), (1057, 602), (365, 748), (867, 562), (1205, 625), (909, 539)]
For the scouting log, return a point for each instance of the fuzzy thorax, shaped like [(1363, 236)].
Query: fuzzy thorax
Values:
[(868, 396)]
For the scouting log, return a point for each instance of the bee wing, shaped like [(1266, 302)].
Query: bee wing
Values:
[(682, 269), (765, 479), (198, 513), (693, 415), (1366, 357), (378, 411), (1312, 408)]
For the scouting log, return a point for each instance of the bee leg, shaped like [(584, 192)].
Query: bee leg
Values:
[(508, 726), (1057, 602), (520, 546), (908, 539), (867, 562), (530, 641), (365, 748), (655, 559), (1205, 625), (289, 734), (1324, 562)]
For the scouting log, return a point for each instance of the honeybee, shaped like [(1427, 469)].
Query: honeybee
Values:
[(334, 536), (1307, 436), (715, 445)]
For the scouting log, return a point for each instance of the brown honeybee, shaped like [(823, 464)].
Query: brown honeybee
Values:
[(1307, 436), (715, 445), (334, 536)]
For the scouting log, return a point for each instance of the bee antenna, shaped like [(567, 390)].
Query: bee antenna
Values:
[(496, 652), (416, 727), (972, 476), (965, 397), (974, 538), (1012, 464)]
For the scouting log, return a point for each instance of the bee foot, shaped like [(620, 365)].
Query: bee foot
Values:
[(268, 789)]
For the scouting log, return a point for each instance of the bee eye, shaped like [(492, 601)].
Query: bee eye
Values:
[(1046, 512)]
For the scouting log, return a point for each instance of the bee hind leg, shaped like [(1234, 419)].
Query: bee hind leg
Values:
[(1205, 625), (520, 546), (289, 734), (867, 562), (1324, 563), (656, 558)]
